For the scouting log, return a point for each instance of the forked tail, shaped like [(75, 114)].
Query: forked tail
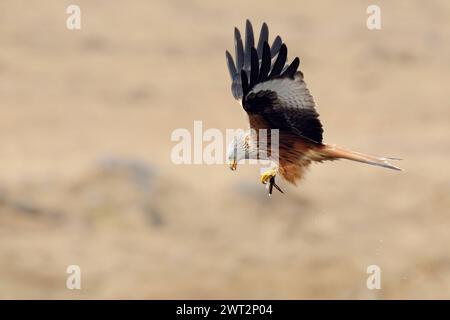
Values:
[(331, 152)]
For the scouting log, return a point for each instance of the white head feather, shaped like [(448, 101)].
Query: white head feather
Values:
[(238, 149)]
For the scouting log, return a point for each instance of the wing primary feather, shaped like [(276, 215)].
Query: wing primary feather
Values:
[(280, 62), (265, 63), (276, 45), (292, 69), (254, 70), (239, 49), (244, 81), (249, 43), (263, 37), (230, 63)]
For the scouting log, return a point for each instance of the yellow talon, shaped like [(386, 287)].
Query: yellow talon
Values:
[(267, 175)]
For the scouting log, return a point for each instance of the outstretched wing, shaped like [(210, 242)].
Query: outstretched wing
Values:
[(271, 90)]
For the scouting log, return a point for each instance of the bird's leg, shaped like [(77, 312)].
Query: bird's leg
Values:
[(269, 177), (273, 184)]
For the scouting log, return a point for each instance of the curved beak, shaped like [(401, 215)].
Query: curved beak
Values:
[(233, 165)]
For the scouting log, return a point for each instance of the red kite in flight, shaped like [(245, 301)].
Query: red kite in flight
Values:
[(272, 92)]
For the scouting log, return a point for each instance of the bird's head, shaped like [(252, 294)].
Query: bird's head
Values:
[(237, 150)]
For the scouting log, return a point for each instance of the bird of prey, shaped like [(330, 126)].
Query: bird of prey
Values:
[(274, 95)]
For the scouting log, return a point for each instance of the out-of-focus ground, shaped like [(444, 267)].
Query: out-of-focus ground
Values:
[(86, 176)]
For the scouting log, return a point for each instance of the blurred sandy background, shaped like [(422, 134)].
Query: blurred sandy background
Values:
[(86, 176)]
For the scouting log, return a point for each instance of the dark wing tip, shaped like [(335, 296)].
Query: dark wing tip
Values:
[(237, 33), (249, 39), (280, 62), (244, 83), (254, 67), (265, 63), (249, 43), (248, 23), (239, 50), (263, 37), (292, 69), (255, 63), (276, 45), (230, 64)]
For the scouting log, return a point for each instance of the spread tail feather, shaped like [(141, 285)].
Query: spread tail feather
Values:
[(331, 152)]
